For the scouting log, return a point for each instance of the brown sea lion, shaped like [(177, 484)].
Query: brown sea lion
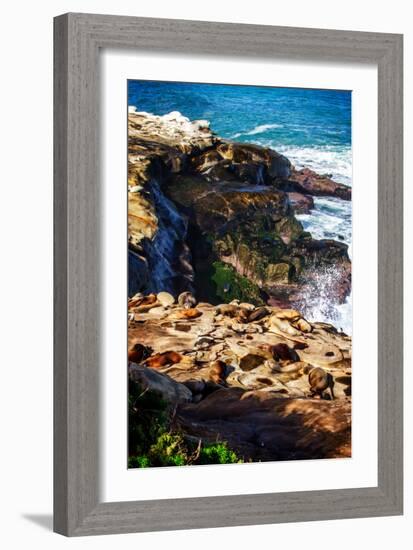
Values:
[(187, 300), (282, 352), (163, 359), (147, 300), (258, 314), (242, 315), (217, 372), (138, 352), (191, 313), (320, 381), (229, 310)]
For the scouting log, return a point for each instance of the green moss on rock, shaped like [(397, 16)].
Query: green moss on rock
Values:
[(230, 285)]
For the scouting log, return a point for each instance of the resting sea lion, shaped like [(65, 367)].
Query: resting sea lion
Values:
[(191, 313), (138, 353), (163, 359), (282, 352), (258, 314), (217, 372)]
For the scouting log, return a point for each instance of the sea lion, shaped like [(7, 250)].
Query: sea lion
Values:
[(283, 353), (147, 300), (229, 310), (187, 300), (163, 359), (191, 313), (217, 372), (242, 315), (138, 352), (258, 314), (320, 381)]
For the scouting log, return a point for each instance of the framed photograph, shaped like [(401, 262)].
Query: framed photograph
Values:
[(228, 274)]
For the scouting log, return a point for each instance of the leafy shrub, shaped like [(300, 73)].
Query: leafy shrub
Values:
[(153, 443), (218, 453)]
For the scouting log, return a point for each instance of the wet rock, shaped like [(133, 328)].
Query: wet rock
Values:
[(319, 185), (302, 204)]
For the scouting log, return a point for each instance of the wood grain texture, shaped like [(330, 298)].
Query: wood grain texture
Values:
[(78, 38)]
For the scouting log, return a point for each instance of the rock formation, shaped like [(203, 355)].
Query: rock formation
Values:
[(218, 217), (250, 376)]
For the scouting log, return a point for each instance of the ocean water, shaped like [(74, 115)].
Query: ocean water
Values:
[(311, 127)]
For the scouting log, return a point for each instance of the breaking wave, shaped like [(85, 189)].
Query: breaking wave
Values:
[(317, 302), (327, 159), (260, 129)]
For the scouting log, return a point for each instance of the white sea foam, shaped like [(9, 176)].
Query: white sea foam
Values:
[(260, 129), (330, 219), (334, 160), (316, 302)]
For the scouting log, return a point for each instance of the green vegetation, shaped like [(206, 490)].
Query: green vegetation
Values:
[(230, 285), (218, 453), (153, 442)]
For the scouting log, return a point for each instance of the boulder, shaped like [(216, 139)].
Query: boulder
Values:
[(302, 204), (308, 181), (172, 392)]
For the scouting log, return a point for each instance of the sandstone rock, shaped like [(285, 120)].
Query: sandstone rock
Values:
[(263, 367), (262, 425), (277, 165), (282, 326)]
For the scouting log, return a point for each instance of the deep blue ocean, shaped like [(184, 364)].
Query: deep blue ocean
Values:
[(311, 127)]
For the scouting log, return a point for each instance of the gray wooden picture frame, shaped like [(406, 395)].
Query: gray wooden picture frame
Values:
[(78, 40)]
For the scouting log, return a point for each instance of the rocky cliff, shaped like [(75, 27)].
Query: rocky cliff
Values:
[(218, 218)]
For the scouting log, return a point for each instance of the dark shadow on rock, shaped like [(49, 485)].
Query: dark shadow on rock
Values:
[(346, 380), (43, 520), (261, 426)]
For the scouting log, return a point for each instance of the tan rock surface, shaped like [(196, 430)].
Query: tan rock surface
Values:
[(262, 406)]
